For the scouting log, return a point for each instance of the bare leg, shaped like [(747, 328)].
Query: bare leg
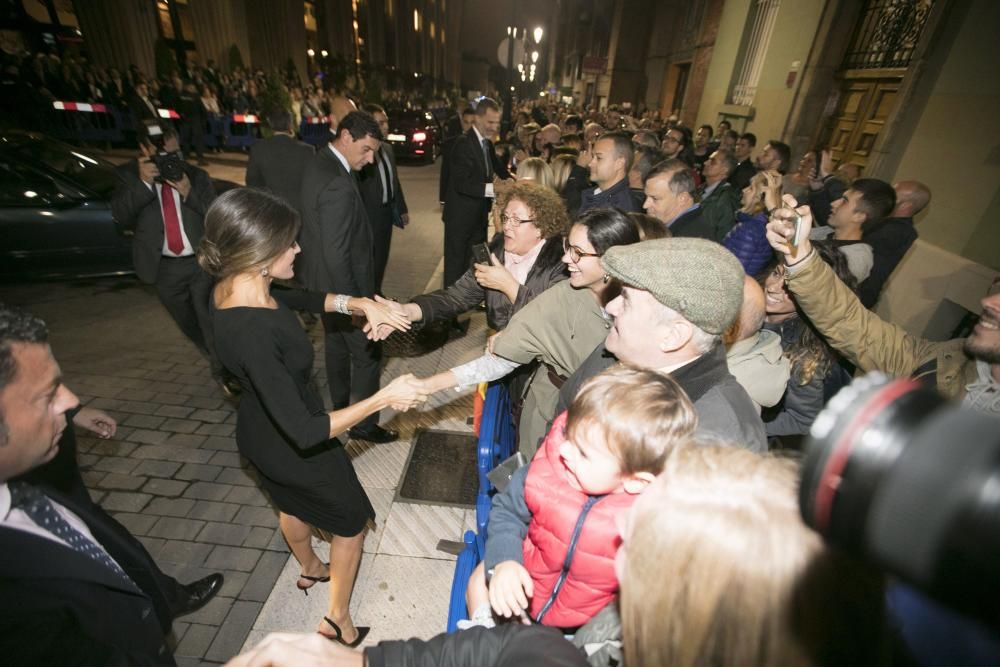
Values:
[(298, 534), (477, 593), (345, 556)]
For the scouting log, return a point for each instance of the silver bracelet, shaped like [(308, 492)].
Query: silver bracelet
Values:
[(340, 304)]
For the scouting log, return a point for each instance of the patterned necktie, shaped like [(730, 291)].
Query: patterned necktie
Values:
[(40, 509), (171, 223)]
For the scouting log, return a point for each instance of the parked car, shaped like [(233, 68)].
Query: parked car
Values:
[(55, 211), (414, 134)]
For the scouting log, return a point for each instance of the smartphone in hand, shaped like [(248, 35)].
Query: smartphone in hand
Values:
[(481, 254)]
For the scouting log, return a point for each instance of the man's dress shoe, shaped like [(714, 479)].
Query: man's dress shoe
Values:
[(196, 595), (375, 434)]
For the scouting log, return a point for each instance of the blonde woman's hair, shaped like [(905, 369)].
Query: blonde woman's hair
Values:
[(536, 170), (547, 208), (641, 415), (245, 230), (720, 570), (561, 165), (758, 184)]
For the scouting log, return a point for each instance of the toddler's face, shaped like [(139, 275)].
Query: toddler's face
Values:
[(590, 465)]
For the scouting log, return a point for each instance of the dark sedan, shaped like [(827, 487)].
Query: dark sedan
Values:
[(414, 134), (55, 211)]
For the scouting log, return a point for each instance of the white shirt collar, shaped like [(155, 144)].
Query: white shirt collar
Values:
[(478, 135), (5, 502), (343, 160)]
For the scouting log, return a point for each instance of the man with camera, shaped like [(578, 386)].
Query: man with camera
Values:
[(163, 200), (967, 369)]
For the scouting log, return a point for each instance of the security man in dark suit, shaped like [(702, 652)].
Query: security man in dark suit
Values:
[(166, 217), (383, 195), (336, 241), (456, 127), (473, 166), (66, 598), (277, 164)]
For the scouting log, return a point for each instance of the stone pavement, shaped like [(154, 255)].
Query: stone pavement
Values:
[(173, 475)]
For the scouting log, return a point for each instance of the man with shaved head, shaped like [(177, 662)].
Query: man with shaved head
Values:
[(753, 354), (891, 237)]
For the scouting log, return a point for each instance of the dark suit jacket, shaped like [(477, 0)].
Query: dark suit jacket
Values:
[(889, 239), (62, 475), (371, 189), (465, 201), (693, 224), (336, 237), (61, 607), (277, 164), (740, 178), (140, 110), (135, 206)]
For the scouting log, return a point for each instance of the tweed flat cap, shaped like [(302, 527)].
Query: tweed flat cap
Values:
[(699, 279)]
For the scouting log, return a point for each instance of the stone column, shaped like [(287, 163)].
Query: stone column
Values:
[(277, 31)]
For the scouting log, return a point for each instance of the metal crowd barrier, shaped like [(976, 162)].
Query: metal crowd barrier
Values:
[(496, 444), (315, 131), (82, 122)]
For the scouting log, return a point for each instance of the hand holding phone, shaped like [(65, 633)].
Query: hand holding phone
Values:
[(481, 254)]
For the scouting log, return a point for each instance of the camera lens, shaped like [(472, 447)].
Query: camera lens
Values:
[(895, 474)]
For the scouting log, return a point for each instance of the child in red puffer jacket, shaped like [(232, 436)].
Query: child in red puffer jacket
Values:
[(552, 536)]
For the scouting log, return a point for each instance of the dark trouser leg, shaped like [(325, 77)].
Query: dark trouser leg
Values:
[(184, 290), (381, 240), (352, 364), (458, 241)]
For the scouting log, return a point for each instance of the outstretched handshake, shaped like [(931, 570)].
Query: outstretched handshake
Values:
[(381, 318)]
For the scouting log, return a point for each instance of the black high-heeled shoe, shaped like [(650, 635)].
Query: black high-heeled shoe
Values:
[(339, 637), (312, 582)]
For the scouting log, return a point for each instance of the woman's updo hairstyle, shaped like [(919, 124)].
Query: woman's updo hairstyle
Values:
[(246, 229)]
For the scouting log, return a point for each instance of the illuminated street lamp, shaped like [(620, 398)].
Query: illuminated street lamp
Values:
[(324, 53), (534, 56), (538, 34), (310, 52)]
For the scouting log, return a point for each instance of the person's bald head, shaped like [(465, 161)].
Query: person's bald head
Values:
[(911, 198), (752, 313), (340, 106)]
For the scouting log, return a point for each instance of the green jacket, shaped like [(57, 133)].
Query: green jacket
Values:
[(719, 208), (871, 343), (560, 327)]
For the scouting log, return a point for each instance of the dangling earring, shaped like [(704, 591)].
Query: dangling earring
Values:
[(264, 272), (606, 279)]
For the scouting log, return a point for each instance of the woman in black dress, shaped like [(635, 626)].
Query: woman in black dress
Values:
[(282, 427)]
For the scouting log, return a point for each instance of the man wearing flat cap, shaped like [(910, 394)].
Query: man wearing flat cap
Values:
[(678, 296)]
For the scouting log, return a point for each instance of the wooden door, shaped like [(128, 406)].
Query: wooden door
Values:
[(866, 102)]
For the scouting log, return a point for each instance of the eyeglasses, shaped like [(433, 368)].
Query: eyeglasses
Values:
[(575, 253), (513, 222)]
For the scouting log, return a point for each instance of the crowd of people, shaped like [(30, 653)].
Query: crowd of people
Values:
[(669, 308)]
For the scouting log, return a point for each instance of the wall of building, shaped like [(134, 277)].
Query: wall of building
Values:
[(791, 42), (119, 33), (954, 147)]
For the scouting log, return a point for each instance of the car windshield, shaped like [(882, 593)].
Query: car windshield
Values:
[(77, 165)]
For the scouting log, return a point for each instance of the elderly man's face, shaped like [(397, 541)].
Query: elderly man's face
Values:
[(661, 202), (634, 336), (34, 408)]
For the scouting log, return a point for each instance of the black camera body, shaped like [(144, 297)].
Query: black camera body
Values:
[(171, 165)]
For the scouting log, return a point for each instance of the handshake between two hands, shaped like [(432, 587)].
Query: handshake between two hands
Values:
[(382, 317)]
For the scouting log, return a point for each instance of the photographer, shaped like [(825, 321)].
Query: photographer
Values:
[(962, 368), (162, 200)]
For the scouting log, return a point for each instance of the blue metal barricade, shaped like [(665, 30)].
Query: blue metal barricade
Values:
[(496, 444), (242, 130), (315, 131)]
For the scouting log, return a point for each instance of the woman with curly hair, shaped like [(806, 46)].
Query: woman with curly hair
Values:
[(748, 239), (525, 261), (816, 373)]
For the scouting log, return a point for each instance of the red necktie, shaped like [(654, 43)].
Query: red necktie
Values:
[(171, 223)]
